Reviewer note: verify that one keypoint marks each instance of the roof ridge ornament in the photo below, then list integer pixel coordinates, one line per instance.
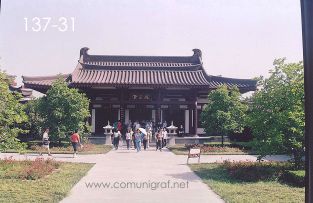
(198, 53)
(83, 52)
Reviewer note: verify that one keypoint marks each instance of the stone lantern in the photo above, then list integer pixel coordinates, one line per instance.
(171, 133)
(108, 133)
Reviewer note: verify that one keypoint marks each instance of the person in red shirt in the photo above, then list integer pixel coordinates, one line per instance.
(75, 139)
(119, 126)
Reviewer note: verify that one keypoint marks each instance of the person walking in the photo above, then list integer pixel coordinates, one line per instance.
(149, 137)
(165, 137)
(121, 139)
(145, 141)
(45, 142)
(119, 126)
(75, 139)
(158, 138)
(181, 131)
(134, 140)
(138, 138)
(116, 138)
(128, 138)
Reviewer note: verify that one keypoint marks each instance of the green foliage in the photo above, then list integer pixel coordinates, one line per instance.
(294, 178)
(237, 191)
(34, 120)
(224, 113)
(11, 115)
(63, 110)
(256, 171)
(276, 114)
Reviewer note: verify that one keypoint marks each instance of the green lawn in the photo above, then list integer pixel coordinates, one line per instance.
(226, 150)
(232, 190)
(87, 149)
(51, 188)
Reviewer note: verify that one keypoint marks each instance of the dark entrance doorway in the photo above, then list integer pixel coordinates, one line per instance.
(140, 114)
(103, 115)
(174, 114)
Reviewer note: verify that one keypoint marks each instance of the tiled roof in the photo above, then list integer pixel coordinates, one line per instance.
(135, 71)
(139, 77)
(42, 81)
(194, 59)
(216, 81)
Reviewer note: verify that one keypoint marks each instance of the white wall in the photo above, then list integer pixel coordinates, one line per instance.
(187, 121)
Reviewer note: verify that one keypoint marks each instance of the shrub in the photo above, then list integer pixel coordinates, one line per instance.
(214, 148)
(294, 178)
(240, 145)
(27, 170)
(256, 171)
(189, 146)
(38, 169)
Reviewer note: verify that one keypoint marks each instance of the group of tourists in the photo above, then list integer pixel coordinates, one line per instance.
(138, 137)
(146, 124)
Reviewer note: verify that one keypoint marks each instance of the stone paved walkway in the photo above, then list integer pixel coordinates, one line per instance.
(123, 167)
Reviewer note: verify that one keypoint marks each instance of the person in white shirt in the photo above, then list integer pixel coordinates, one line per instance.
(128, 138)
(165, 137)
(116, 138)
(45, 142)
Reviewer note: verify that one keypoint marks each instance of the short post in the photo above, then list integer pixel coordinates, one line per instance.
(108, 133)
(172, 133)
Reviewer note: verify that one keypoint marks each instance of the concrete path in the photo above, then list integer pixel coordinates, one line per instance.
(161, 176)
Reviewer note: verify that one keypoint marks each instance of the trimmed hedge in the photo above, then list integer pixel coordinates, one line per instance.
(294, 178)
(265, 171)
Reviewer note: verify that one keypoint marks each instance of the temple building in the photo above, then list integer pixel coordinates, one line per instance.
(27, 94)
(136, 88)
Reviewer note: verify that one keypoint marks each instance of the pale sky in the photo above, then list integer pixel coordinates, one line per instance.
(238, 38)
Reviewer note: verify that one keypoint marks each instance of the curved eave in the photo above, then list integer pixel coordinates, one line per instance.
(42, 83)
(40, 88)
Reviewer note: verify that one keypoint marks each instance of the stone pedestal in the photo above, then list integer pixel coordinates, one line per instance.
(108, 133)
(108, 140)
(172, 134)
(171, 141)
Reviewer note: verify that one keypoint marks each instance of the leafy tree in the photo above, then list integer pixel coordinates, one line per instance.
(224, 113)
(11, 115)
(34, 124)
(277, 112)
(63, 110)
